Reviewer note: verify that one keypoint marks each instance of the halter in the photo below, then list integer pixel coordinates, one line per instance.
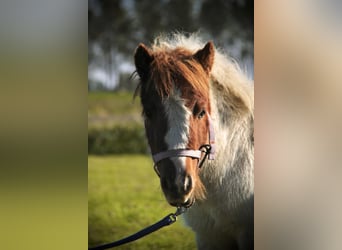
(207, 149)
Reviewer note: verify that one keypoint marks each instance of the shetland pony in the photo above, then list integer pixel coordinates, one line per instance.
(198, 113)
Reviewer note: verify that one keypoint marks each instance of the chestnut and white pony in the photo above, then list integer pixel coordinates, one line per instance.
(195, 99)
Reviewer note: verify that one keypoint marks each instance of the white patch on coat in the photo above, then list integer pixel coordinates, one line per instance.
(178, 116)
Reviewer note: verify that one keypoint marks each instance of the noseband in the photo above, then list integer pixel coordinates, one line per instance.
(207, 149)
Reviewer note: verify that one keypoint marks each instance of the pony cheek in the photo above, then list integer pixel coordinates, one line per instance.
(150, 139)
(198, 134)
(198, 191)
(153, 134)
(191, 166)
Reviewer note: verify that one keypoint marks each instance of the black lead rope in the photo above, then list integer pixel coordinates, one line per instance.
(167, 220)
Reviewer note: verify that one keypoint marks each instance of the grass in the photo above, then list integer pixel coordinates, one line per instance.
(124, 196)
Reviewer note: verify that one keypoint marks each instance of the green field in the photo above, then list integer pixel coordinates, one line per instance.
(124, 196)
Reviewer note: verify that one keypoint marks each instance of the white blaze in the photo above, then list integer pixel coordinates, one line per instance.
(178, 117)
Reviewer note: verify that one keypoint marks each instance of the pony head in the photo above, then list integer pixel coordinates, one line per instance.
(174, 92)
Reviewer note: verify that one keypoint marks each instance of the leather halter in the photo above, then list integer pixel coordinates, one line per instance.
(209, 150)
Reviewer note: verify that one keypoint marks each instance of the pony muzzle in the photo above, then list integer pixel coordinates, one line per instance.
(178, 191)
(180, 183)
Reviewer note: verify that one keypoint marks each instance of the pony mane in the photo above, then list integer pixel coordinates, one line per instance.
(226, 75)
(179, 67)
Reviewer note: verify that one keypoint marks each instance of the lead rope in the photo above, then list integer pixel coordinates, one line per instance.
(167, 220)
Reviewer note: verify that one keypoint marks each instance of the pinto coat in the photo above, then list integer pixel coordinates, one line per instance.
(183, 79)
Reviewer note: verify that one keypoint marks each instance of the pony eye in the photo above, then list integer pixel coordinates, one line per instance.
(198, 111)
(201, 114)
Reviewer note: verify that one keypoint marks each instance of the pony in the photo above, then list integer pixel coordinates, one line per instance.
(198, 109)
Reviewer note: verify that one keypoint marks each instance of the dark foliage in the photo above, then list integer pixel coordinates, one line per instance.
(117, 140)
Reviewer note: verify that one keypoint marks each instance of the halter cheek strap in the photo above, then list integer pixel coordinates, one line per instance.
(211, 139)
(196, 154)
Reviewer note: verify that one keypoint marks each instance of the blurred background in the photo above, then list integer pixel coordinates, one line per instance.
(124, 193)
(116, 28)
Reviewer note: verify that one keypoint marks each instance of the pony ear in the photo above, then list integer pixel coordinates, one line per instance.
(205, 56)
(142, 59)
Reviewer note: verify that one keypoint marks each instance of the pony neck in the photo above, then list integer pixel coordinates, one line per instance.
(233, 142)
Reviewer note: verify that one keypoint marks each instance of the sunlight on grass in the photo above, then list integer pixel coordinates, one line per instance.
(124, 196)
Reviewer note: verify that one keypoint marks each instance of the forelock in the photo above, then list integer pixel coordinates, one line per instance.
(177, 68)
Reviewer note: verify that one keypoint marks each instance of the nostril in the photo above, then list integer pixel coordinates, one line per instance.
(187, 183)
